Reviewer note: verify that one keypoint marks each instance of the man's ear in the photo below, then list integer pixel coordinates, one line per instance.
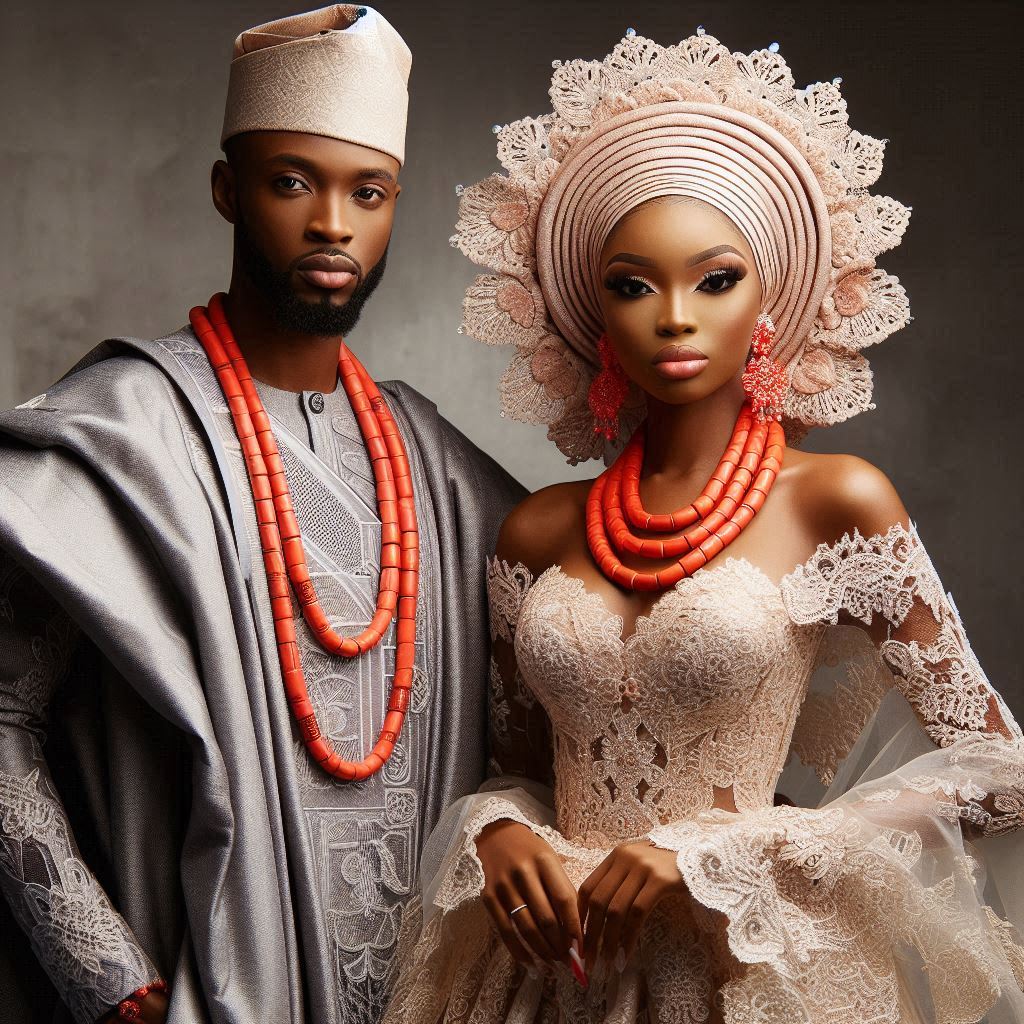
(223, 187)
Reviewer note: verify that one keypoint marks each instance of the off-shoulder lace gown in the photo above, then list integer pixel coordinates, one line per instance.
(872, 905)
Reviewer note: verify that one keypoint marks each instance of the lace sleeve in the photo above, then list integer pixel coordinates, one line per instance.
(519, 731)
(887, 585)
(85, 946)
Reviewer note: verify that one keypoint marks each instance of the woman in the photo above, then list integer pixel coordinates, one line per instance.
(687, 243)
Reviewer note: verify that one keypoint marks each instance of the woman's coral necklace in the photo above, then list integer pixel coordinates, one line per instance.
(283, 554)
(729, 501)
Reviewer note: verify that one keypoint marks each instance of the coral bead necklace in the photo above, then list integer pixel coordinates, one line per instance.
(283, 554)
(730, 499)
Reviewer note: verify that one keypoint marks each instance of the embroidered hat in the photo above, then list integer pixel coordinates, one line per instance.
(341, 71)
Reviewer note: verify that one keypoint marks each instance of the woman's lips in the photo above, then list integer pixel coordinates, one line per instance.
(679, 362)
(329, 280)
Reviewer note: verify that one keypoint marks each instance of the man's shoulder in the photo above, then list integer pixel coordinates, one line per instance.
(462, 457)
(120, 381)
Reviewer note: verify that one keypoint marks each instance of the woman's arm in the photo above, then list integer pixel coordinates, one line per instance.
(527, 893)
(879, 577)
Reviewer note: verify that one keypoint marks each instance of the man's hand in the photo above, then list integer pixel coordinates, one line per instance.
(153, 1006)
(620, 893)
(521, 870)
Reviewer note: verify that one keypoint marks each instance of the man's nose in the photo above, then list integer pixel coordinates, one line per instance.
(330, 223)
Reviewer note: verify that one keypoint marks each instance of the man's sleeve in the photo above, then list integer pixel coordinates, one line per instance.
(83, 943)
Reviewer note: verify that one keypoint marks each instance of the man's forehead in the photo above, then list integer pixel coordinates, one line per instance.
(318, 152)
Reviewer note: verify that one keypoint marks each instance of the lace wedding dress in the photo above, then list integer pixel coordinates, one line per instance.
(870, 902)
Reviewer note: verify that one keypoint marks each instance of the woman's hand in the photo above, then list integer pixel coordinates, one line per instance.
(520, 868)
(619, 894)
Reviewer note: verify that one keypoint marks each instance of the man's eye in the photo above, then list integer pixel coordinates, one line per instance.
(290, 184)
(369, 194)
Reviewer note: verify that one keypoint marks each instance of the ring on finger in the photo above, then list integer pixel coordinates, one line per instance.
(515, 910)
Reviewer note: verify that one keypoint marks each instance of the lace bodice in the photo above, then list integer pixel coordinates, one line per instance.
(701, 703)
(702, 696)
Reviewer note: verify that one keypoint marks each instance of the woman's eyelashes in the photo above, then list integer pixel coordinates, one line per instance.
(721, 279)
(629, 287)
(715, 281)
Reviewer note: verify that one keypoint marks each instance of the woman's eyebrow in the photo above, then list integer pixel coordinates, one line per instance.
(630, 257)
(709, 254)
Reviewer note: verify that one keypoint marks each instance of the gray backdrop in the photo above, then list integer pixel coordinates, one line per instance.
(111, 114)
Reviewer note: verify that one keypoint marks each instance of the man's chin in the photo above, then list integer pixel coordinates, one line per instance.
(310, 295)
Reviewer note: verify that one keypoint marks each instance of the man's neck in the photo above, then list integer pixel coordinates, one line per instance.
(283, 359)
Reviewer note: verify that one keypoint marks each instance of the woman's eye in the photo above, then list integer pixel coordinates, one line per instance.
(718, 281)
(632, 287)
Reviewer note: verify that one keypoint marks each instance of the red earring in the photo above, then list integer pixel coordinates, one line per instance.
(608, 391)
(765, 379)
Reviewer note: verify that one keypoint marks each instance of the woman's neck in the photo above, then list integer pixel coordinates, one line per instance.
(687, 441)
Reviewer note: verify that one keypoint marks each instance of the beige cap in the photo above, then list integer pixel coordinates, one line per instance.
(341, 71)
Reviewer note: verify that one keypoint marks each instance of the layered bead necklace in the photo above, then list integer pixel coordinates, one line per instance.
(283, 554)
(699, 531)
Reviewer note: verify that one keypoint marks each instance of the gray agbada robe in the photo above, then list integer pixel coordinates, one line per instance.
(157, 810)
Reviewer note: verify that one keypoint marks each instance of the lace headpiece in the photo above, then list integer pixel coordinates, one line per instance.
(694, 120)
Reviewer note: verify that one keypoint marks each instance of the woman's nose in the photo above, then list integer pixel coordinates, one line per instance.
(676, 316)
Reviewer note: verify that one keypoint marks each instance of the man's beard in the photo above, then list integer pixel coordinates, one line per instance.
(292, 313)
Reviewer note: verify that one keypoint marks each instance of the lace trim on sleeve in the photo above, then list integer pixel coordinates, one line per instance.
(506, 587)
(924, 647)
(798, 888)
(864, 576)
(84, 945)
(464, 879)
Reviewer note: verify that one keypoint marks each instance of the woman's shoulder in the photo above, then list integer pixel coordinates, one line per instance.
(838, 493)
(544, 526)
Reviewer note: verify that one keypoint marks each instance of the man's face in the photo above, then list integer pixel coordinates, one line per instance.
(313, 219)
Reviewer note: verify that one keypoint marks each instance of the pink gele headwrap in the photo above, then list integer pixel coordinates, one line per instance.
(696, 121)
(734, 162)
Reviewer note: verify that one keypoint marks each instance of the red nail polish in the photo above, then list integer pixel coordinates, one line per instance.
(579, 973)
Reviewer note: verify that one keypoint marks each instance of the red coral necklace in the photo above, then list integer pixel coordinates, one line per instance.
(283, 554)
(730, 499)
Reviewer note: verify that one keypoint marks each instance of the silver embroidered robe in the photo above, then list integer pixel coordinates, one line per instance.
(157, 810)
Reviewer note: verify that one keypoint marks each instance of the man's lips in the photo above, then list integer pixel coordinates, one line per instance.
(328, 272)
(679, 362)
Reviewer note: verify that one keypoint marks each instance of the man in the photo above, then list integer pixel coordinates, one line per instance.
(175, 825)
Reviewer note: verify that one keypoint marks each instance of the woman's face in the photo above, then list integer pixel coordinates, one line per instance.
(680, 297)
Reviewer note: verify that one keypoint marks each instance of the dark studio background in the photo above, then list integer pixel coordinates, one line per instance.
(111, 114)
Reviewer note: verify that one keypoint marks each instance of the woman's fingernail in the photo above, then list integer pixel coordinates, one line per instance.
(532, 972)
(576, 962)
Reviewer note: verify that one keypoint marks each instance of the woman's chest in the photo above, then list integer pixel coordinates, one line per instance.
(718, 644)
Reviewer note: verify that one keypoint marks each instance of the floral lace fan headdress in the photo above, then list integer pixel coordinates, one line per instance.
(695, 120)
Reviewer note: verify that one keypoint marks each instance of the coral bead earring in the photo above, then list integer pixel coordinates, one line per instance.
(765, 379)
(608, 391)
